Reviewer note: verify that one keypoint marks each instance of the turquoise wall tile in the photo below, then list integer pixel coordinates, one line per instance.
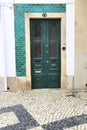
(19, 10)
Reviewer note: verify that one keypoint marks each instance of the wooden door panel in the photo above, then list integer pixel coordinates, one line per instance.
(37, 58)
(38, 81)
(52, 81)
(53, 66)
(45, 53)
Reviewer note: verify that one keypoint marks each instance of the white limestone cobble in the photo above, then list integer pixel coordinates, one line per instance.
(46, 106)
(8, 119)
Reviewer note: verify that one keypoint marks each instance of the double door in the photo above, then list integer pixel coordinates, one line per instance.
(45, 53)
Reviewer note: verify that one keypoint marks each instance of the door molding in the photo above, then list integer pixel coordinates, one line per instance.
(61, 16)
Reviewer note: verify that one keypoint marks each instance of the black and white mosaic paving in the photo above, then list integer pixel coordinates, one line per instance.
(27, 122)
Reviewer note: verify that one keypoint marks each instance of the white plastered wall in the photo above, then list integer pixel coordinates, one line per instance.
(70, 47)
(9, 39)
(3, 80)
(7, 49)
(81, 44)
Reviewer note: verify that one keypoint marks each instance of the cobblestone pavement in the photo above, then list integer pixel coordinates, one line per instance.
(45, 109)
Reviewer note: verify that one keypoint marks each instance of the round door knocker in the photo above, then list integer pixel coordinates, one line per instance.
(63, 48)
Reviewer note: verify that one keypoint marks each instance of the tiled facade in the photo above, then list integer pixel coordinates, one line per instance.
(20, 10)
(15, 40)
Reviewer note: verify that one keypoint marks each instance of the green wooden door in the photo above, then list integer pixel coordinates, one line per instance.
(45, 53)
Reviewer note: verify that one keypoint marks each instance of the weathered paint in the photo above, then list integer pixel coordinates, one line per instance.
(81, 44)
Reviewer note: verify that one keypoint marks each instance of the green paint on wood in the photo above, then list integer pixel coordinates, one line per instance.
(45, 53)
